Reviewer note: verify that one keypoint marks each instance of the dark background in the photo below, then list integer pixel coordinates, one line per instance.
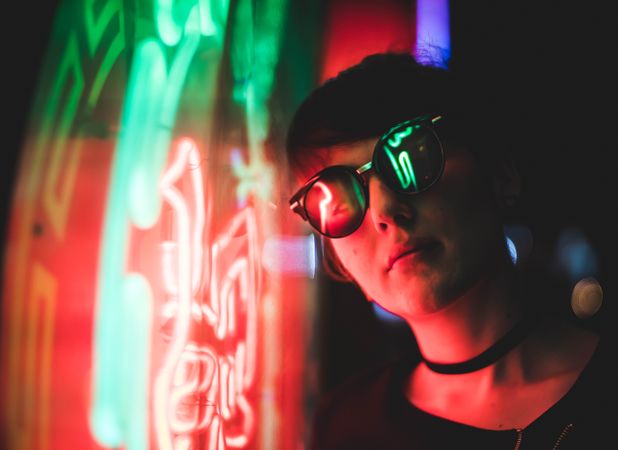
(556, 59)
(25, 33)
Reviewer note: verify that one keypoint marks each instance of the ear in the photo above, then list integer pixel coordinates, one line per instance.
(506, 182)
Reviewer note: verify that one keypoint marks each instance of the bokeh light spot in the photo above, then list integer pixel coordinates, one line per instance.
(586, 298)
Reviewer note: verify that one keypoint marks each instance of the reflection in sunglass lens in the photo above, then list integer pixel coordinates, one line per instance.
(409, 158)
(336, 204)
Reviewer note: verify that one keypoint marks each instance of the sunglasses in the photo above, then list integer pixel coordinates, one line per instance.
(409, 159)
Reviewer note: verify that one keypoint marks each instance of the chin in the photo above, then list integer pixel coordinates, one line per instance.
(419, 303)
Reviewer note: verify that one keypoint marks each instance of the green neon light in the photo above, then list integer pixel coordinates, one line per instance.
(254, 53)
(59, 113)
(395, 141)
(176, 18)
(96, 23)
(405, 174)
(111, 420)
(169, 30)
(126, 386)
(153, 112)
(241, 49)
(122, 332)
(213, 18)
(124, 307)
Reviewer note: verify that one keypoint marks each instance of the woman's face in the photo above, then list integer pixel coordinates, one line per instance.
(415, 255)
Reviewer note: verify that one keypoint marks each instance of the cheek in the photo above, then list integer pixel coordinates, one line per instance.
(472, 224)
(356, 253)
(465, 193)
(349, 253)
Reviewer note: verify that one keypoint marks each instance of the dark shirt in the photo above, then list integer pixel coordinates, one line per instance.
(371, 412)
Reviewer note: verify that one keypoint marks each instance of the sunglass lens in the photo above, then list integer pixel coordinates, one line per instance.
(409, 158)
(336, 203)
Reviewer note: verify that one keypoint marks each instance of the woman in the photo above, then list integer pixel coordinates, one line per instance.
(406, 173)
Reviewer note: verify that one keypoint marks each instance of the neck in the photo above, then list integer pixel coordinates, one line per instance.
(469, 325)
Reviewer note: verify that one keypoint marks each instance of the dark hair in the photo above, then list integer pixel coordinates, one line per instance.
(384, 89)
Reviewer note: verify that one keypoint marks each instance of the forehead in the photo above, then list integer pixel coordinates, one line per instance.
(354, 154)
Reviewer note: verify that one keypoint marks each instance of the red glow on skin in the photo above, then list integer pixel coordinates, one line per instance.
(218, 372)
(414, 248)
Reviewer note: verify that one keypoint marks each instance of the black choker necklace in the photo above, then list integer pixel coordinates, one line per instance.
(489, 356)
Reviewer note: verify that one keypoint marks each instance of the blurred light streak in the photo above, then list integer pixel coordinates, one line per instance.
(185, 273)
(148, 118)
(174, 19)
(97, 22)
(120, 400)
(60, 179)
(257, 178)
(229, 375)
(290, 255)
(39, 336)
(519, 242)
(512, 250)
(254, 53)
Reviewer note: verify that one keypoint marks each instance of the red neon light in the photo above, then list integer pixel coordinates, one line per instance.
(219, 379)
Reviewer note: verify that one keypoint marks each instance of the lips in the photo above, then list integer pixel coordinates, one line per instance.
(411, 246)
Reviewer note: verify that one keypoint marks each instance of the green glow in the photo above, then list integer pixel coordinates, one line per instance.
(152, 108)
(111, 420)
(241, 50)
(119, 411)
(213, 18)
(254, 53)
(126, 385)
(144, 140)
(63, 103)
(358, 192)
(395, 141)
(405, 174)
(175, 18)
(169, 30)
(122, 332)
(95, 29)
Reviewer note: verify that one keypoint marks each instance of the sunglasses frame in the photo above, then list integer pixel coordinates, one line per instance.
(297, 201)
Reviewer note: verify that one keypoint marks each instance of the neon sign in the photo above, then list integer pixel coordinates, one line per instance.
(220, 370)
(115, 215)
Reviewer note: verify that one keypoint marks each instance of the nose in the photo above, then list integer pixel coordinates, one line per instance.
(388, 209)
